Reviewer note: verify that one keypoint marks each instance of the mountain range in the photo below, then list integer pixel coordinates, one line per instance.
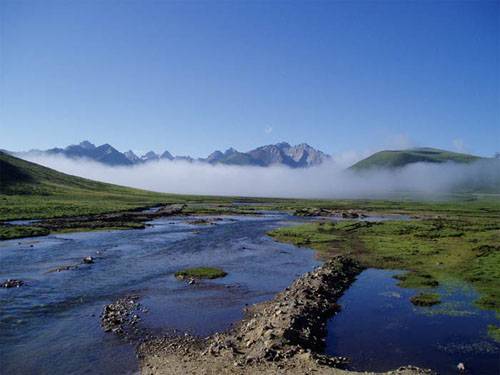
(299, 156)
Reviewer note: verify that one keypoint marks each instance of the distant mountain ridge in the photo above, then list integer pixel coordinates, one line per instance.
(390, 159)
(298, 156)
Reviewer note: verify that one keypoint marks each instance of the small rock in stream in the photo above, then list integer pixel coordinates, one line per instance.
(118, 317)
(12, 283)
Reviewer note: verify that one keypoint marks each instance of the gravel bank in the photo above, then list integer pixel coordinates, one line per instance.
(285, 335)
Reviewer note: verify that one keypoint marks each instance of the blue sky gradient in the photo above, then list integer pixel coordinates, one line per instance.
(192, 77)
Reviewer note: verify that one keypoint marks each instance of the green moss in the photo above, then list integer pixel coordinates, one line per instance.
(19, 231)
(494, 332)
(8, 232)
(306, 235)
(416, 280)
(425, 299)
(200, 273)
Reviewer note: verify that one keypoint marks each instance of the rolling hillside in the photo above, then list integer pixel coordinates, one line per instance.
(29, 190)
(401, 158)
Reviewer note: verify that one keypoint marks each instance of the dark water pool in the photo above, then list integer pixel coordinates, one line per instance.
(51, 325)
(379, 329)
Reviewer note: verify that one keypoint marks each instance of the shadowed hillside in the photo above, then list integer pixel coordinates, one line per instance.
(22, 177)
(33, 191)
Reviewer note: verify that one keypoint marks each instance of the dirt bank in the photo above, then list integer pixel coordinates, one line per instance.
(285, 335)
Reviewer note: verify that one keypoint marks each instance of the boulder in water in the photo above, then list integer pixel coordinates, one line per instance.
(12, 283)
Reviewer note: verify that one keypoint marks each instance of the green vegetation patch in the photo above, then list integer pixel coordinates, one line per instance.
(319, 236)
(494, 332)
(8, 232)
(463, 248)
(425, 299)
(200, 273)
(415, 279)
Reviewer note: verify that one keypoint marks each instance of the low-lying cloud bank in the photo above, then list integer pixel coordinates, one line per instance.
(325, 181)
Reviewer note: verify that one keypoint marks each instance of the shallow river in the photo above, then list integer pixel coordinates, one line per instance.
(51, 325)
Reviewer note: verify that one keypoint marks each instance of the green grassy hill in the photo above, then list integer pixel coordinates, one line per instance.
(401, 158)
(29, 190)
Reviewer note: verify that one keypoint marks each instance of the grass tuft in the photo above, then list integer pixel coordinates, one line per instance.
(425, 299)
(200, 273)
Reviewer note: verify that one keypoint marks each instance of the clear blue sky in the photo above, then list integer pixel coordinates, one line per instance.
(191, 77)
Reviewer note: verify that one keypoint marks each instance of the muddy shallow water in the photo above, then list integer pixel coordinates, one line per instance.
(379, 328)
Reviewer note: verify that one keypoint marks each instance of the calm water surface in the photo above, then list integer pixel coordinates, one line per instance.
(379, 328)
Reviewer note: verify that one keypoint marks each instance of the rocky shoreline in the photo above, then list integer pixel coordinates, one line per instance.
(285, 335)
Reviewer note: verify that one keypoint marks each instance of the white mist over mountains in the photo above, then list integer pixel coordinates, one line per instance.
(327, 180)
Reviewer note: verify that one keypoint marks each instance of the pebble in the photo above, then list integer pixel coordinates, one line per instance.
(88, 260)
(12, 283)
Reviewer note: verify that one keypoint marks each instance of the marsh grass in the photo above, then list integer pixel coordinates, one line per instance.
(432, 250)
(494, 332)
(425, 299)
(200, 273)
(20, 231)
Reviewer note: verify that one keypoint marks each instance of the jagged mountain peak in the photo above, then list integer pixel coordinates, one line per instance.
(214, 157)
(132, 156)
(87, 145)
(283, 145)
(150, 155)
(166, 155)
(107, 148)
